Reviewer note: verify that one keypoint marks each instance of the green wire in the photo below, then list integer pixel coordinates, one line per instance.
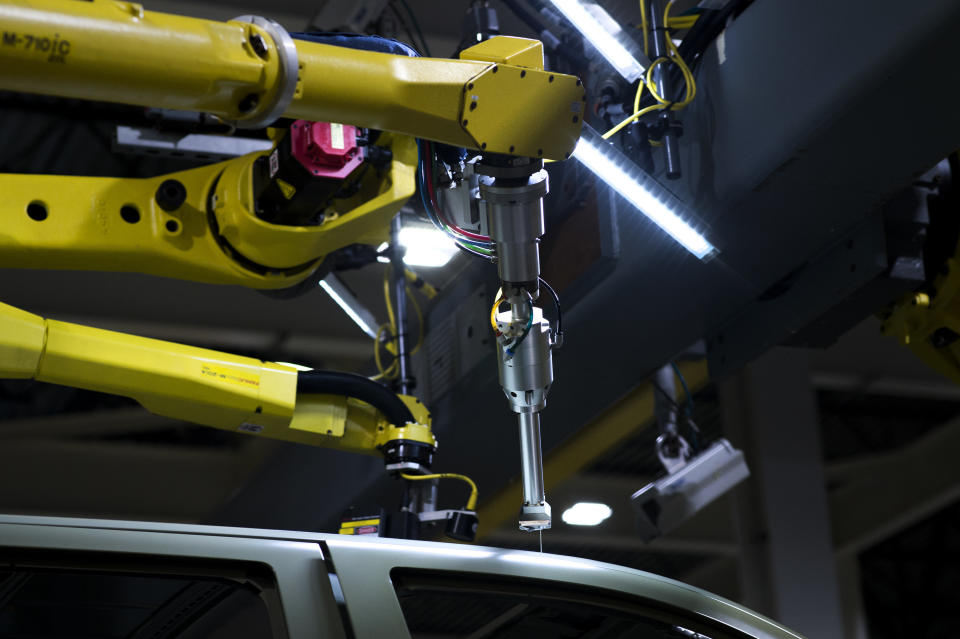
(416, 25)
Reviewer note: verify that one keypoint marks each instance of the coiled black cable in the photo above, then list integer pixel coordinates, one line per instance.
(358, 387)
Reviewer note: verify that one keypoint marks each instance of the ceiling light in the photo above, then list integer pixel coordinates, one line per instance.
(586, 513)
(645, 193)
(346, 300)
(602, 31)
(425, 246)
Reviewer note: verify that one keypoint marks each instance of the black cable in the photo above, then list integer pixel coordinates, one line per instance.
(406, 27)
(556, 301)
(416, 25)
(358, 387)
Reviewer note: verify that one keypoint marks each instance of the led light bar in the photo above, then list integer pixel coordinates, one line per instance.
(642, 191)
(602, 31)
(346, 300)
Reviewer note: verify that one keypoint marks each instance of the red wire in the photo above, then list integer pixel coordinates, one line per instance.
(436, 205)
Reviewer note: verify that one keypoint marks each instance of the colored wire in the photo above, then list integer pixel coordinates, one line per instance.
(471, 501)
(468, 251)
(428, 164)
(477, 248)
(526, 331)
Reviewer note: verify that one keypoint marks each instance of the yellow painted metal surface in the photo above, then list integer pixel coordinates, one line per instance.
(610, 429)
(184, 382)
(515, 107)
(117, 52)
(197, 385)
(81, 223)
(22, 336)
(521, 52)
(929, 322)
(363, 218)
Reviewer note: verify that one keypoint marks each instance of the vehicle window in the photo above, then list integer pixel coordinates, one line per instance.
(473, 606)
(61, 599)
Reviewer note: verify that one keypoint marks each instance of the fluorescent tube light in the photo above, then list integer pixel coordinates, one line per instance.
(586, 513)
(346, 300)
(642, 191)
(602, 31)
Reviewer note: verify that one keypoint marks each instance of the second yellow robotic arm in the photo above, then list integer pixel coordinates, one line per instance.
(210, 388)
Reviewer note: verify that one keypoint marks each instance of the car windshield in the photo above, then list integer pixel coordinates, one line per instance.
(472, 606)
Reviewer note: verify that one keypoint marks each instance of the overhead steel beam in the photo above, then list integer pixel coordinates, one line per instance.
(899, 490)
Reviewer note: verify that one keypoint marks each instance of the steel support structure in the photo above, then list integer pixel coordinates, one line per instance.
(788, 568)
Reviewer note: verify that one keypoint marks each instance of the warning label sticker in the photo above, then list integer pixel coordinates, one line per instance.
(230, 375)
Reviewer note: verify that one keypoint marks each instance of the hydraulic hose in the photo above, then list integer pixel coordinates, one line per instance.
(358, 387)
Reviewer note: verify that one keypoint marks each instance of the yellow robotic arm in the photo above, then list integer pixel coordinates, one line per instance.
(244, 221)
(334, 410)
(497, 98)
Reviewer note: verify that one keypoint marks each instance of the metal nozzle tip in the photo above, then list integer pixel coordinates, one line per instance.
(535, 517)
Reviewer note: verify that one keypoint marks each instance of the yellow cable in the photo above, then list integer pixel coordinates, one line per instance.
(471, 501)
(385, 373)
(390, 372)
(647, 80)
(493, 311)
(666, 12)
(643, 25)
(416, 307)
(426, 288)
(386, 296)
(632, 118)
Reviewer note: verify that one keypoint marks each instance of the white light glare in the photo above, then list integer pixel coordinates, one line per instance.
(586, 513)
(299, 367)
(440, 550)
(605, 42)
(540, 559)
(348, 309)
(426, 246)
(598, 156)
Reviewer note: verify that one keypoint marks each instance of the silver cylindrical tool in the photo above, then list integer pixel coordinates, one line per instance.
(512, 192)
(515, 219)
(531, 459)
(526, 373)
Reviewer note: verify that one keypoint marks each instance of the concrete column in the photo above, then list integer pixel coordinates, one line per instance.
(788, 570)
